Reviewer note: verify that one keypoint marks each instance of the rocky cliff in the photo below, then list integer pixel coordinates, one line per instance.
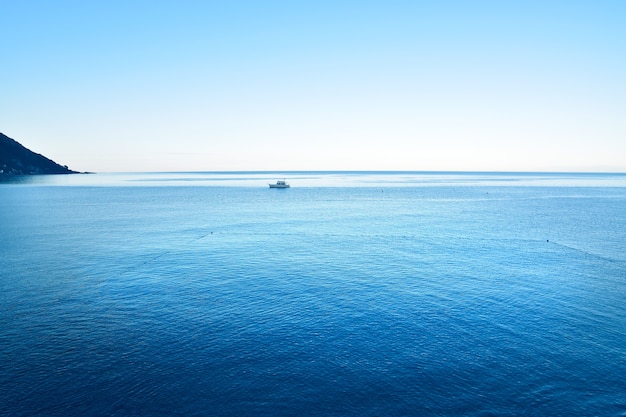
(15, 159)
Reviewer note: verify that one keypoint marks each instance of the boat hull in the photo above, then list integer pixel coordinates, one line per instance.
(279, 184)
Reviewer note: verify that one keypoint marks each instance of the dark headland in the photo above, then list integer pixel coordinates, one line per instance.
(15, 159)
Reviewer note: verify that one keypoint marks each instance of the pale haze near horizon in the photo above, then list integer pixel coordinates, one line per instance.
(341, 85)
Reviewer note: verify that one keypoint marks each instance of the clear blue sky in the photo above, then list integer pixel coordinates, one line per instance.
(317, 85)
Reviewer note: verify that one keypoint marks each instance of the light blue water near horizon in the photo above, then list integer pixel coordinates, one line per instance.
(364, 294)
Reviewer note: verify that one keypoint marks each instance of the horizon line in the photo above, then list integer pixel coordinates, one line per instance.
(360, 171)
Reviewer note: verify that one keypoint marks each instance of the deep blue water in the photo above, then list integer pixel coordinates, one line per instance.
(350, 294)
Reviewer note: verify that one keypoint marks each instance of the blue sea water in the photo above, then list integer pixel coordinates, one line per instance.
(349, 294)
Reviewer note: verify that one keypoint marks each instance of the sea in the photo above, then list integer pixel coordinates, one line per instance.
(348, 294)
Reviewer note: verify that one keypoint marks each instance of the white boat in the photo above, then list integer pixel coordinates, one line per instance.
(279, 184)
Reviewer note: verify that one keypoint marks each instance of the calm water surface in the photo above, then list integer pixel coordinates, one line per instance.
(350, 294)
